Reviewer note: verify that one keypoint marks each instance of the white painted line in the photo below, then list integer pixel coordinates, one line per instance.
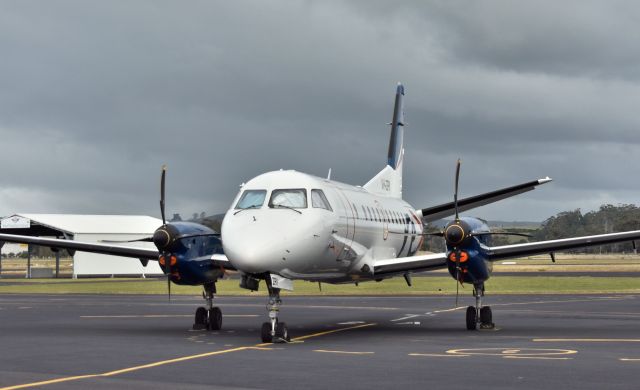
(535, 357)
(345, 307)
(590, 340)
(165, 316)
(449, 310)
(406, 317)
(351, 323)
(343, 352)
(408, 323)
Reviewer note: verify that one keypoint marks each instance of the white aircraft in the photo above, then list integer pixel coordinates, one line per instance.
(288, 225)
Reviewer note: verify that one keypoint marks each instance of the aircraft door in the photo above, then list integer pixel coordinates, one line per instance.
(348, 220)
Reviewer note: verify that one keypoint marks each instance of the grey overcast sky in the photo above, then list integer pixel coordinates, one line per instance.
(96, 95)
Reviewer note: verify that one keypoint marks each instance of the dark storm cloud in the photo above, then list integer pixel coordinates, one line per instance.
(96, 96)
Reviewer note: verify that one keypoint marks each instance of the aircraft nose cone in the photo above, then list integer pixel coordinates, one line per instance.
(255, 245)
(253, 255)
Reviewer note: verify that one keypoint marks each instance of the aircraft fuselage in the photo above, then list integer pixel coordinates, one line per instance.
(332, 241)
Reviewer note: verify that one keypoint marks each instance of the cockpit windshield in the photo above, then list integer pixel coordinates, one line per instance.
(251, 199)
(289, 198)
(318, 200)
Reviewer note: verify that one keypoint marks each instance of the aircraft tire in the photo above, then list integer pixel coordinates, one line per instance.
(215, 319)
(282, 331)
(471, 318)
(265, 332)
(486, 317)
(201, 319)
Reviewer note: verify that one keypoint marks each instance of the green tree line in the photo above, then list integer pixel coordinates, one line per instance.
(608, 219)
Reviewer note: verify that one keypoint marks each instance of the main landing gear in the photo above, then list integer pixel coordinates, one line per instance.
(274, 331)
(209, 318)
(479, 315)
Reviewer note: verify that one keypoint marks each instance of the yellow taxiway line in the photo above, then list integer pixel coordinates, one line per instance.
(172, 361)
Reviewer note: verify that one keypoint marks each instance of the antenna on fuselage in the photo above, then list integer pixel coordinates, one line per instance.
(329, 174)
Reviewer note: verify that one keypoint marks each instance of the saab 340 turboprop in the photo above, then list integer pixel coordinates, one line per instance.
(287, 225)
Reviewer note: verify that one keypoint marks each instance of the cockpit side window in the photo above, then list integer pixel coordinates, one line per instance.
(295, 198)
(319, 201)
(251, 199)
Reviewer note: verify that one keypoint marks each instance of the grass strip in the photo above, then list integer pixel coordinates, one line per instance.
(434, 285)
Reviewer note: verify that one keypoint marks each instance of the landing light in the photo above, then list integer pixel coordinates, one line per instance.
(173, 260)
(464, 256)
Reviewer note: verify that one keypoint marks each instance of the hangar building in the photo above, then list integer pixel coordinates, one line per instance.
(92, 228)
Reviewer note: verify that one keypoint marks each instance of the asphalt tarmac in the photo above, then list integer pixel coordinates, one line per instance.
(144, 342)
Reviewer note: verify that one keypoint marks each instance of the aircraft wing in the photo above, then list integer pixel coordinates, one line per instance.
(533, 248)
(435, 213)
(434, 261)
(418, 263)
(105, 249)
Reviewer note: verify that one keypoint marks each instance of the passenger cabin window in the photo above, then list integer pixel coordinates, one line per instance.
(295, 198)
(251, 199)
(319, 201)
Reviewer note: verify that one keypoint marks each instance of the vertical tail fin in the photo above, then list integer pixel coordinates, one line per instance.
(397, 131)
(388, 182)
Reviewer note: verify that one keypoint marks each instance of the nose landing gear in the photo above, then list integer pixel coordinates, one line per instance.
(274, 331)
(209, 318)
(479, 315)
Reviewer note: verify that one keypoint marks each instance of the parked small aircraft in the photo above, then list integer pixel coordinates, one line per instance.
(287, 225)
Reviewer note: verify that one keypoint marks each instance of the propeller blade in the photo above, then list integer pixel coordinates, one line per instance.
(436, 234)
(502, 233)
(162, 180)
(169, 286)
(455, 193)
(145, 239)
(168, 265)
(457, 288)
(180, 237)
(457, 275)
